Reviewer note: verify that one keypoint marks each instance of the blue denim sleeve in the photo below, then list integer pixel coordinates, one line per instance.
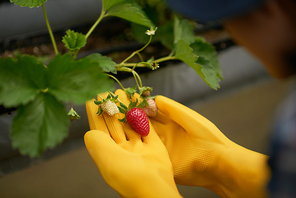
(283, 151)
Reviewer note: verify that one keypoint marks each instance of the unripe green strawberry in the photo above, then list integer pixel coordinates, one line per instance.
(138, 120)
(109, 107)
(150, 110)
(146, 93)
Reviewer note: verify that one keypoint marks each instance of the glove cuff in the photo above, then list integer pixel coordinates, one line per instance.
(242, 173)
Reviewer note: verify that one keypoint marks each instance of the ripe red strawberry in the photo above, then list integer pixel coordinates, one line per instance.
(151, 109)
(138, 120)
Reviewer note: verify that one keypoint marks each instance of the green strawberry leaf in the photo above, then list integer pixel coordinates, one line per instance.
(109, 3)
(165, 36)
(185, 53)
(183, 29)
(206, 50)
(76, 80)
(177, 29)
(130, 11)
(21, 80)
(39, 125)
(104, 62)
(28, 3)
(74, 40)
(208, 73)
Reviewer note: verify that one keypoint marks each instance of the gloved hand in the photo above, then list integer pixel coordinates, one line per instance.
(133, 166)
(203, 156)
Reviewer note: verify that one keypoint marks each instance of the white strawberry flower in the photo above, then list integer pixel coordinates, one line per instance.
(151, 31)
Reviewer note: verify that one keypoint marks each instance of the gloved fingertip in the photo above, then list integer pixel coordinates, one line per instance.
(103, 95)
(122, 96)
(162, 102)
(88, 136)
(93, 139)
(119, 92)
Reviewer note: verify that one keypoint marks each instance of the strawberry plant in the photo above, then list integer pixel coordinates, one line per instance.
(40, 91)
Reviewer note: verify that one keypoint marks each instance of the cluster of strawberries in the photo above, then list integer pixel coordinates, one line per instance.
(136, 114)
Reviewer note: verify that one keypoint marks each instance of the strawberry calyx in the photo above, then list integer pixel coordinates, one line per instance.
(112, 99)
(145, 91)
(73, 115)
(130, 91)
(134, 104)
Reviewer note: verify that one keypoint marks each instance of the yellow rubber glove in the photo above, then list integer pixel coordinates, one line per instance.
(133, 166)
(203, 156)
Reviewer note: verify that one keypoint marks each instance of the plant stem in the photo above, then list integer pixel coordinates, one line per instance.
(139, 79)
(50, 31)
(116, 81)
(137, 52)
(135, 77)
(95, 24)
(144, 64)
(140, 56)
(126, 69)
(100, 97)
(141, 64)
(165, 59)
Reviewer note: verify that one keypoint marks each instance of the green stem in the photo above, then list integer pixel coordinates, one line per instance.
(141, 64)
(71, 104)
(114, 95)
(137, 52)
(140, 56)
(126, 69)
(101, 97)
(144, 64)
(172, 52)
(50, 31)
(95, 24)
(165, 59)
(91, 30)
(116, 81)
(75, 54)
(137, 75)
(145, 45)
